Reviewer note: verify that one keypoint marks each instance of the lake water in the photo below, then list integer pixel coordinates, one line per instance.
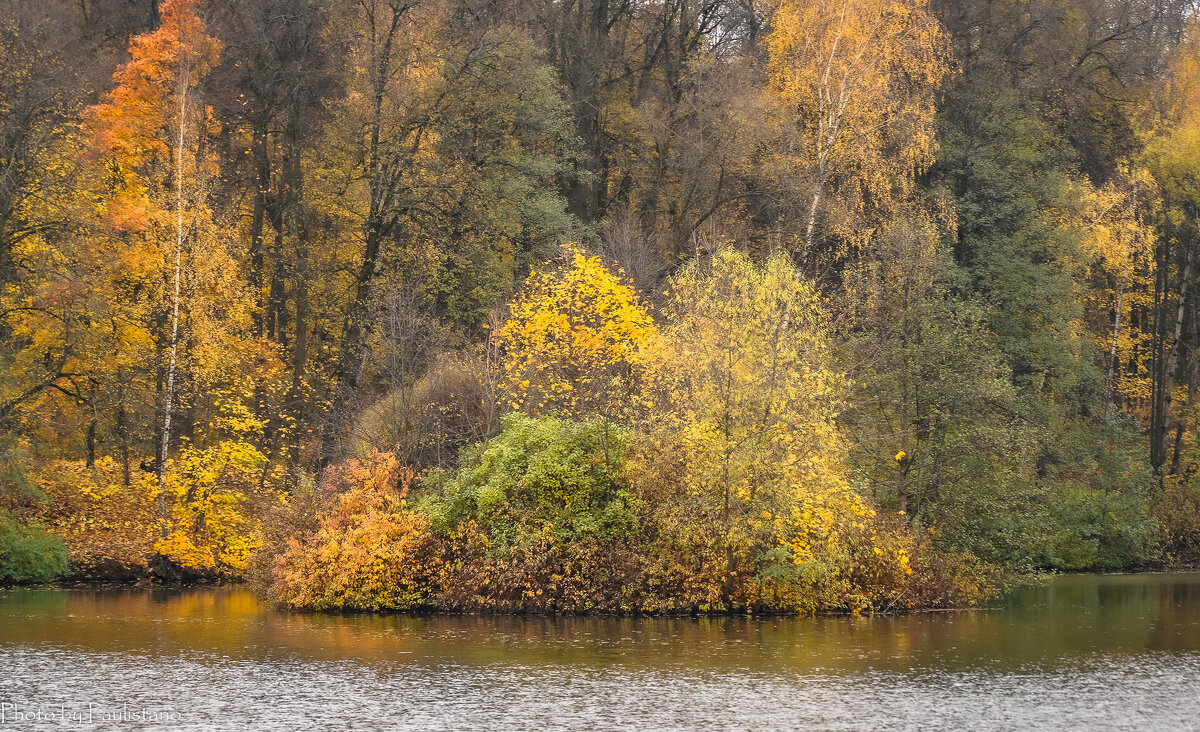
(1091, 652)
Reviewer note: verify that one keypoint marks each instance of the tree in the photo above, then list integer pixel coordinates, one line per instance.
(268, 89)
(143, 130)
(178, 293)
(744, 459)
(450, 152)
(665, 104)
(36, 101)
(1118, 244)
(572, 341)
(855, 80)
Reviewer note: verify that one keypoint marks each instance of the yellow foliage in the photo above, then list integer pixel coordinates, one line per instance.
(856, 79)
(1118, 246)
(215, 492)
(743, 433)
(571, 341)
(104, 523)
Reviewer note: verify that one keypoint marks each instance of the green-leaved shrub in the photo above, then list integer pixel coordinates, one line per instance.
(28, 553)
(539, 474)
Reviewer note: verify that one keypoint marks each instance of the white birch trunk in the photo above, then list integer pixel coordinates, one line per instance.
(169, 396)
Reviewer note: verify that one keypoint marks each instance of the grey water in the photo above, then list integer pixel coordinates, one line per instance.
(1085, 652)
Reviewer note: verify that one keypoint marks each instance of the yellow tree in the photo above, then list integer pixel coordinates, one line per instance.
(855, 80)
(1119, 247)
(572, 339)
(743, 433)
(142, 132)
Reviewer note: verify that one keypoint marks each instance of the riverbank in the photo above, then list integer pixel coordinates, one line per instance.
(374, 537)
(1016, 584)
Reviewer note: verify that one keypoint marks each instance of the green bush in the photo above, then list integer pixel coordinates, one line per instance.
(28, 553)
(538, 519)
(540, 474)
(1095, 529)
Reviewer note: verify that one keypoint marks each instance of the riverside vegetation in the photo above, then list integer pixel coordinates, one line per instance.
(585, 305)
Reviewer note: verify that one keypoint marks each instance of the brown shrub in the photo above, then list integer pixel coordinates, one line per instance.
(425, 425)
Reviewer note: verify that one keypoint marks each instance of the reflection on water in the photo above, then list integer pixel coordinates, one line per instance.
(1084, 652)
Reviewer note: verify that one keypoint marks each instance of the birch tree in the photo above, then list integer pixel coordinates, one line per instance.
(146, 132)
(855, 83)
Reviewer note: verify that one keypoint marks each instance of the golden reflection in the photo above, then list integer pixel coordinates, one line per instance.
(1067, 622)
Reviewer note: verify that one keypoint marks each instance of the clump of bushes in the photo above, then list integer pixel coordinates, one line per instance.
(536, 519)
(693, 467)
(1177, 511)
(544, 518)
(540, 474)
(451, 406)
(539, 518)
(114, 531)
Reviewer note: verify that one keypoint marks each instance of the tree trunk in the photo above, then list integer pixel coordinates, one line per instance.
(1111, 373)
(123, 428)
(169, 396)
(300, 231)
(378, 224)
(353, 346)
(91, 437)
(812, 220)
(277, 316)
(1168, 376)
(262, 186)
(1193, 378)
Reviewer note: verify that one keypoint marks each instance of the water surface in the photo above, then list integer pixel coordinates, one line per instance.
(1089, 652)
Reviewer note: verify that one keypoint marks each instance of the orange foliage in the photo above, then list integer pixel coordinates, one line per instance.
(133, 127)
(370, 551)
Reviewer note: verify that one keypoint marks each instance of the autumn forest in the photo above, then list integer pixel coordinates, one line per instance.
(599, 305)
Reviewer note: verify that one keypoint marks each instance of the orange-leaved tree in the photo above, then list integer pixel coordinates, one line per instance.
(151, 174)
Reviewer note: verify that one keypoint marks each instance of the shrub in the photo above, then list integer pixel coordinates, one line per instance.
(538, 518)
(1177, 511)
(214, 495)
(369, 550)
(109, 528)
(28, 553)
(427, 423)
(540, 473)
